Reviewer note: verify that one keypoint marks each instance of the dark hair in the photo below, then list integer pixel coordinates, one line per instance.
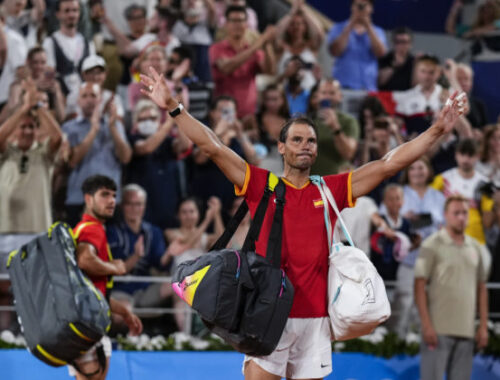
(429, 58)
(368, 1)
(296, 120)
(93, 184)
(235, 8)
(215, 101)
(310, 111)
(373, 104)
(489, 131)
(134, 7)
(402, 30)
(284, 111)
(59, 2)
(190, 198)
(467, 147)
(405, 180)
(35, 50)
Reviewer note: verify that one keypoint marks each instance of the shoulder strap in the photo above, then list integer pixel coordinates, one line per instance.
(80, 228)
(273, 253)
(258, 218)
(234, 222)
(328, 198)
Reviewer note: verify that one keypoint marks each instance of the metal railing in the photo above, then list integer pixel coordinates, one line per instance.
(164, 279)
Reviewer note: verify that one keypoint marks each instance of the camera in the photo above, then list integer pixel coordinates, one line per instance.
(325, 103)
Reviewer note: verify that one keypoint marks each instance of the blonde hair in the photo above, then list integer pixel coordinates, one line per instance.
(143, 105)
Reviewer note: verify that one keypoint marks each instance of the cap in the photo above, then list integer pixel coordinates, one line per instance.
(93, 61)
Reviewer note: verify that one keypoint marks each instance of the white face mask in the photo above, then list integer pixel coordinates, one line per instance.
(147, 127)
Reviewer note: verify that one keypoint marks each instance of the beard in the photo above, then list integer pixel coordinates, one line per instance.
(459, 230)
(101, 215)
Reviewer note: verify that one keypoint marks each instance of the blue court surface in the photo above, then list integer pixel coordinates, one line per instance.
(21, 365)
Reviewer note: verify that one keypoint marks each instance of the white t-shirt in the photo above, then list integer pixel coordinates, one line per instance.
(72, 47)
(25, 26)
(358, 222)
(16, 56)
(454, 183)
(144, 41)
(413, 102)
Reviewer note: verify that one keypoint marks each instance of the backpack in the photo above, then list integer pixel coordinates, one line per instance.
(61, 313)
(241, 296)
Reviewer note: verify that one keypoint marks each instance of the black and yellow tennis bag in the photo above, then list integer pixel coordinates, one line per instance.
(241, 296)
(62, 314)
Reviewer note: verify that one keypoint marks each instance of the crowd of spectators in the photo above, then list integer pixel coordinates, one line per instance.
(71, 107)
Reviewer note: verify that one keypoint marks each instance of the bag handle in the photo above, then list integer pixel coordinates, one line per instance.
(325, 192)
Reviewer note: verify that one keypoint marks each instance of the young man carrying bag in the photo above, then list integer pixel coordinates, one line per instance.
(304, 350)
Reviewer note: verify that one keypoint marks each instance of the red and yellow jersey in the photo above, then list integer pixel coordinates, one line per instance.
(91, 231)
(304, 252)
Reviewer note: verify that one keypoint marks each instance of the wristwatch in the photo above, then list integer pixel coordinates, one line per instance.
(176, 111)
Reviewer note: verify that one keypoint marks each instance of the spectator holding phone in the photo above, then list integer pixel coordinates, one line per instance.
(356, 45)
(300, 34)
(292, 79)
(379, 139)
(338, 132)
(423, 207)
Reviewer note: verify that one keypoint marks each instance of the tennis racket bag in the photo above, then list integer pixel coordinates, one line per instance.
(241, 296)
(62, 314)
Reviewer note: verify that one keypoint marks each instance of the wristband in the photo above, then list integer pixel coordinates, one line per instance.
(175, 112)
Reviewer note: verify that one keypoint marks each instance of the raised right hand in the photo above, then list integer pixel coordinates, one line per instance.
(139, 246)
(156, 89)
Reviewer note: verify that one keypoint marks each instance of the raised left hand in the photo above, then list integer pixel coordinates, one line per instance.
(455, 106)
(156, 89)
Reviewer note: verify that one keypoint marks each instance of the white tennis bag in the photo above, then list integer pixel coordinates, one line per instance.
(357, 300)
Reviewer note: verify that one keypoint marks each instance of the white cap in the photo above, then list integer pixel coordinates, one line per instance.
(93, 61)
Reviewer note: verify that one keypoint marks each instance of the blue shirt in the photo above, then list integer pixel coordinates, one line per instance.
(432, 203)
(121, 240)
(100, 159)
(158, 174)
(357, 67)
(298, 103)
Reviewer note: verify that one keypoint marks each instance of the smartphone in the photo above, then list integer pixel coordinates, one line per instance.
(228, 114)
(325, 103)
(422, 220)
(49, 75)
(308, 65)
